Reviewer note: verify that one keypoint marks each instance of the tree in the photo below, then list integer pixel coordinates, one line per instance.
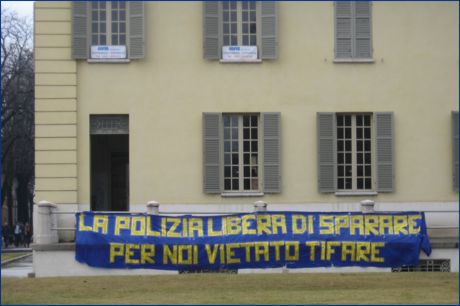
(17, 114)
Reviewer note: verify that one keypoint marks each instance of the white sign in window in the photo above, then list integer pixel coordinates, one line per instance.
(108, 52)
(239, 53)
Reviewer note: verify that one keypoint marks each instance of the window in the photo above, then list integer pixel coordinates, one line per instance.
(241, 153)
(355, 153)
(353, 31)
(240, 23)
(108, 30)
(108, 23)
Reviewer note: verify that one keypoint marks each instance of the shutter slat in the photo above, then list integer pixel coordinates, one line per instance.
(384, 151)
(79, 30)
(136, 30)
(269, 32)
(343, 29)
(362, 25)
(455, 150)
(326, 130)
(211, 152)
(211, 45)
(272, 152)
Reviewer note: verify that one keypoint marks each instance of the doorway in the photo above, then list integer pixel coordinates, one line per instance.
(109, 173)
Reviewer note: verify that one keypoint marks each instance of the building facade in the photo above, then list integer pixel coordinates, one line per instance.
(216, 105)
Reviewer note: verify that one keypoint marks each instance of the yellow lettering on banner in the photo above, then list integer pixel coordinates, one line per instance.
(341, 222)
(169, 255)
(233, 225)
(116, 249)
(289, 245)
(400, 225)
(312, 245)
(211, 251)
(172, 230)
(222, 253)
(263, 224)
(310, 225)
(163, 227)
(147, 253)
(231, 253)
(413, 228)
(279, 222)
(101, 222)
(357, 223)
(261, 248)
(277, 245)
(371, 224)
(81, 224)
(187, 259)
(247, 250)
(246, 223)
(296, 228)
(195, 254)
(195, 225)
(348, 248)
(185, 228)
(330, 248)
(375, 252)
(129, 253)
(121, 222)
(363, 250)
(326, 223)
(211, 231)
(150, 231)
(386, 225)
(137, 225)
(323, 250)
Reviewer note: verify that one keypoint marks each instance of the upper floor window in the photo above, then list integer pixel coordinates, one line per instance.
(107, 30)
(240, 30)
(353, 31)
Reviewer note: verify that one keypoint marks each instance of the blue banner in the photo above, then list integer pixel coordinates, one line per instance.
(250, 240)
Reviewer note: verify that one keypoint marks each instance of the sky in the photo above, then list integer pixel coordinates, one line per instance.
(23, 8)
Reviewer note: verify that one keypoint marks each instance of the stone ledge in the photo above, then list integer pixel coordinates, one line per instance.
(444, 242)
(65, 246)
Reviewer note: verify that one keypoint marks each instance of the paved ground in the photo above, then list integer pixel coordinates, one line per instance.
(19, 268)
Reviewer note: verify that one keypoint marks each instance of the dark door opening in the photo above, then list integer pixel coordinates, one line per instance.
(110, 172)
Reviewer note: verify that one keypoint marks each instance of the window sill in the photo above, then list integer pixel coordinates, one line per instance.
(241, 194)
(111, 61)
(355, 193)
(258, 61)
(354, 60)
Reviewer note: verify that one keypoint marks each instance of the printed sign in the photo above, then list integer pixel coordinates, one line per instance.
(239, 53)
(256, 240)
(108, 52)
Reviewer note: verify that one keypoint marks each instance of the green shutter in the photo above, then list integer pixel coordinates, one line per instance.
(272, 152)
(269, 31)
(362, 32)
(343, 29)
(455, 150)
(326, 135)
(79, 30)
(384, 151)
(211, 152)
(136, 29)
(211, 33)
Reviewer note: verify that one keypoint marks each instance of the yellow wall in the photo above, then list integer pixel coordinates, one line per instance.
(415, 75)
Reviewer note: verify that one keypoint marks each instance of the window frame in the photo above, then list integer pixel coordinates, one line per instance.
(260, 153)
(354, 163)
(353, 58)
(108, 21)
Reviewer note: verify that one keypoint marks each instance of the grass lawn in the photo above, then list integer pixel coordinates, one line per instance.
(8, 256)
(288, 288)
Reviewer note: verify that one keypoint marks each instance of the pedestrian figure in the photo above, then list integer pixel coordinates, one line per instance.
(6, 234)
(17, 234)
(27, 234)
